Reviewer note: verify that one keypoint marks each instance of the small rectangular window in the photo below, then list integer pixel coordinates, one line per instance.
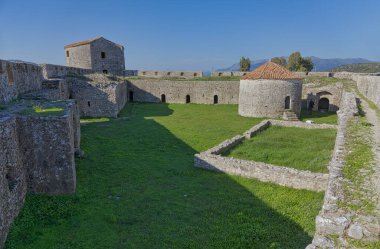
(103, 55)
(105, 71)
(67, 53)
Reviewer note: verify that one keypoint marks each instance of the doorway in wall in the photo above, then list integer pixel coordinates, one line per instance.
(287, 102)
(187, 99)
(216, 99)
(323, 104)
(130, 96)
(163, 98)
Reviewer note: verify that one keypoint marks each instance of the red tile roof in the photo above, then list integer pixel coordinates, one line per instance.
(76, 44)
(271, 70)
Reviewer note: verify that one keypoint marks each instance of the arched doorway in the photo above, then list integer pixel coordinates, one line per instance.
(287, 102)
(323, 104)
(215, 99)
(163, 98)
(187, 99)
(130, 96)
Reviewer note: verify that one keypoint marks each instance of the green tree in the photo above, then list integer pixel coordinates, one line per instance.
(279, 60)
(245, 64)
(297, 63)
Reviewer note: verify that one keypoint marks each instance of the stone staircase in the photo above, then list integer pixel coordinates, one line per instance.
(290, 116)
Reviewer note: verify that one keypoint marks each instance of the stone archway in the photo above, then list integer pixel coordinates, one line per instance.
(323, 104)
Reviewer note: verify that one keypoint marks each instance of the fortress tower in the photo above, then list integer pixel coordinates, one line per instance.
(269, 91)
(98, 54)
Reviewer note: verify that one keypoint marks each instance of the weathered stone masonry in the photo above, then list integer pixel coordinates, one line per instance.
(177, 91)
(284, 176)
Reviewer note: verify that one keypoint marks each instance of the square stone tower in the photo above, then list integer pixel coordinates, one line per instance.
(98, 54)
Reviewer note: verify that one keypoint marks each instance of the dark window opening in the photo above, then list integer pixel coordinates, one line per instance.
(105, 71)
(88, 103)
(220, 74)
(287, 102)
(67, 53)
(187, 99)
(156, 73)
(12, 182)
(323, 104)
(182, 73)
(144, 73)
(130, 96)
(215, 99)
(168, 74)
(195, 74)
(163, 98)
(103, 55)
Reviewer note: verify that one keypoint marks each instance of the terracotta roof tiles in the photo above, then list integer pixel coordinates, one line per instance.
(271, 70)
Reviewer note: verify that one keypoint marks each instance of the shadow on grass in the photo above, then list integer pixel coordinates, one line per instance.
(137, 188)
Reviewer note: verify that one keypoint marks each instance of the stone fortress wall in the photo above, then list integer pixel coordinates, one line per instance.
(17, 79)
(170, 74)
(177, 91)
(37, 156)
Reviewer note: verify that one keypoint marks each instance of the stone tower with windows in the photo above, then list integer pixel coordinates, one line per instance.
(98, 54)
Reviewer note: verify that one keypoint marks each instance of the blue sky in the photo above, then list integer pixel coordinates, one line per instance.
(192, 34)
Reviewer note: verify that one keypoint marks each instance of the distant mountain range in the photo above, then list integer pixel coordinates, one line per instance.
(319, 64)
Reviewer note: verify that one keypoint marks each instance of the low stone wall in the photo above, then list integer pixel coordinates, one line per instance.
(17, 79)
(37, 156)
(57, 71)
(284, 176)
(176, 91)
(369, 86)
(177, 74)
(331, 220)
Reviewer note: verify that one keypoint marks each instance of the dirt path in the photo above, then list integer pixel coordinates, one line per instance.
(375, 121)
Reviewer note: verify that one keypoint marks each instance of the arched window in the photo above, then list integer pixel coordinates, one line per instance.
(195, 74)
(220, 74)
(88, 103)
(187, 99)
(130, 96)
(163, 98)
(287, 102)
(215, 99)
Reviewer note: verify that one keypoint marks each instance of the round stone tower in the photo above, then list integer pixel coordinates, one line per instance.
(270, 91)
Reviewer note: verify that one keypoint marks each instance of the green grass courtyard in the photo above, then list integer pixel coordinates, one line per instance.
(137, 188)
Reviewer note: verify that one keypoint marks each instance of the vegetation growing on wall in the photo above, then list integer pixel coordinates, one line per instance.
(359, 68)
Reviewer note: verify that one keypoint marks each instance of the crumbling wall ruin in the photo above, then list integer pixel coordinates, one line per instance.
(17, 79)
(37, 156)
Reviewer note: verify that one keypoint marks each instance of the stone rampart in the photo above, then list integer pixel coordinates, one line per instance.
(56, 71)
(319, 74)
(176, 74)
(369, 86)
(17, 79)
(229, 73)
(177, 91)
(212, 159)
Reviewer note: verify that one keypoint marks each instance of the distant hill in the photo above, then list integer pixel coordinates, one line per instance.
(319, 64)
(359, 68)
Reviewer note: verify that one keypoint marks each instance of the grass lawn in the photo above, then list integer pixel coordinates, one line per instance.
(137, 188)
(305, 149)
(319, 117)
